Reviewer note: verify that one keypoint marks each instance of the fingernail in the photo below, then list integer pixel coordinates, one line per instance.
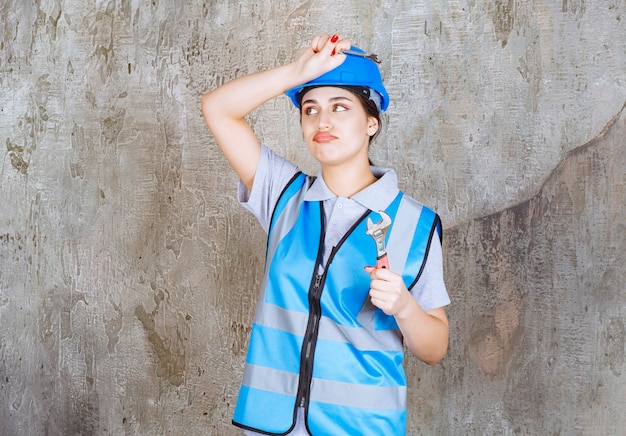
(333, 53)
(334, 39)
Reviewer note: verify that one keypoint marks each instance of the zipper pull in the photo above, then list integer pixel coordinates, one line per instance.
(318, 280)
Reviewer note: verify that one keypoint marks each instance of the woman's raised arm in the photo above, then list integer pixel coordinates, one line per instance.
(225, 108)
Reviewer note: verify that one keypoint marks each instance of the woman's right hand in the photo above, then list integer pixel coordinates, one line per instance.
(322, 55)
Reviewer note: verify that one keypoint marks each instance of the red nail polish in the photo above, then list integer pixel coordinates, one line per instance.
(333, 53)
(334, 39)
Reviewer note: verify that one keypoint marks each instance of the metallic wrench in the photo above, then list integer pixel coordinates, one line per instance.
(371, 56)
(378, 231)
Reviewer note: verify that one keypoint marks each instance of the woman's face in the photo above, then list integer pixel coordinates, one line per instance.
(335, 126)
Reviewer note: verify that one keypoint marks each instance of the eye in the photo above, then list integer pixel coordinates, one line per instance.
(311, 110)
(340, 108)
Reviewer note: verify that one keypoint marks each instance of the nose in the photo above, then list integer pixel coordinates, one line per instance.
(324, 121)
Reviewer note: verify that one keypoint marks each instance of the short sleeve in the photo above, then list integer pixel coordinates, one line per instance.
(430, 290)
(272, 175)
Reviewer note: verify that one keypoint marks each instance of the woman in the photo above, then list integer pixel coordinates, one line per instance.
(326, 348)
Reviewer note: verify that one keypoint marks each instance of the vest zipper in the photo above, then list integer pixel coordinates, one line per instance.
(310, 339)
(307, 353)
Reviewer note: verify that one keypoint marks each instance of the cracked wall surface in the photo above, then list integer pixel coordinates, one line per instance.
(129, 273)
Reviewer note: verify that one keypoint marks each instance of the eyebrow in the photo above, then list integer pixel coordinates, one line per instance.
(332, 99)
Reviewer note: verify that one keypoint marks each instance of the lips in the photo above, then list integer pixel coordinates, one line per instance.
(323, 137)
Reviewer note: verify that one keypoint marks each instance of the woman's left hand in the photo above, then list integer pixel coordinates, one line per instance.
(424, 333)
(387, 291)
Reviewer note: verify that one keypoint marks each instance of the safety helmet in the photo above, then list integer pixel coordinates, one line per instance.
(354, 71)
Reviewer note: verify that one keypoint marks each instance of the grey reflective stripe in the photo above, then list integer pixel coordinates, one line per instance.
(271, 380)
(330, 391)
(295, 322)
(402, 232)
(360, 338)
(353, 395)
(284, 223)
(282, 319)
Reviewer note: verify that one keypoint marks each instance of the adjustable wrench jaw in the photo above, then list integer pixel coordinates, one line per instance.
(378, 232)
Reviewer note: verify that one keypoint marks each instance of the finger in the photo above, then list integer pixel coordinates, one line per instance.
(322, 41)
(343, 44)
(372, 271)
(317, 43)
(385, 274)
(381, 304)
(314, 42)
(382, 286)
(379, 274)
(377, 295)
(330, 44)
(376, 301)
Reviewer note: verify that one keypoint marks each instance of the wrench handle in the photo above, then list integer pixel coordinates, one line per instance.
(382, 262)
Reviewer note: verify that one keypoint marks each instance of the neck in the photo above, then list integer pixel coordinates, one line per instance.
(345, 182)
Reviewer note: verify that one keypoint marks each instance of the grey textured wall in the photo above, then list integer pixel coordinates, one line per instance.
(129, 274)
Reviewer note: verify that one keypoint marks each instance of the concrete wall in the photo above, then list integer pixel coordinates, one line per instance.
(129, 274)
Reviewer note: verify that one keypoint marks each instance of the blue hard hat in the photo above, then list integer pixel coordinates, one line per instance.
(354, 71)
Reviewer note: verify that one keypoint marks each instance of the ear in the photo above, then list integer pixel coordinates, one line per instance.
(372, 126)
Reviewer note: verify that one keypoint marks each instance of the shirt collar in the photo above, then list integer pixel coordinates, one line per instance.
(377, 196)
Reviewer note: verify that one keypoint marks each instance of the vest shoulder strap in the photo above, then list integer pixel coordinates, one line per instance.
(412, 231)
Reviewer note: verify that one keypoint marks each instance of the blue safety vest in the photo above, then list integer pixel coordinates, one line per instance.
(317, 341)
